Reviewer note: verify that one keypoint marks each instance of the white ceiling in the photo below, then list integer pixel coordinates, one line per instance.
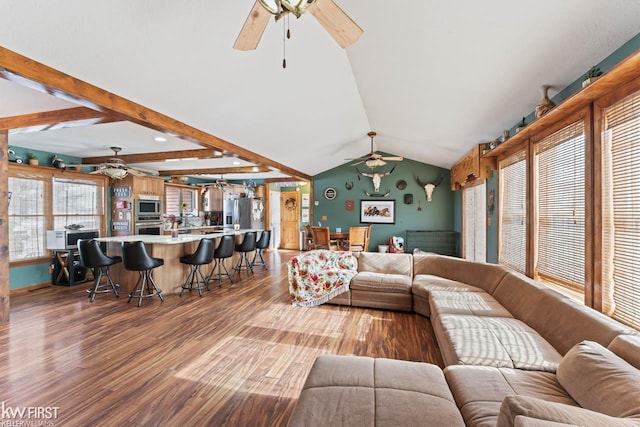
(433, 78)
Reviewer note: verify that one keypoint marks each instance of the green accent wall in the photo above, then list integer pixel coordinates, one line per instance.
(435, 215)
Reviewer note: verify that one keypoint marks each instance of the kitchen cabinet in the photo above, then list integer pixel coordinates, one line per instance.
(471, 167)
(212, 200)
(144, 186)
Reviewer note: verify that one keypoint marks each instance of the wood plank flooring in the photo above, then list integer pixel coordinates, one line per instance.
(238, 356)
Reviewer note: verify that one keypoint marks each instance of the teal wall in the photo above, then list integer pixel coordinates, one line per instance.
(605, 65)
(435, 215)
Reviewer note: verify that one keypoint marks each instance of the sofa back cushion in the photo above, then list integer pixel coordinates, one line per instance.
(601, 381)
(559, 319)
(484, 276)
(377, 262)
(628, 348)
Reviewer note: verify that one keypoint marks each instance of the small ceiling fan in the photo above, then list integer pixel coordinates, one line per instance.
(337, 23)
(373, 159)
(116, 168)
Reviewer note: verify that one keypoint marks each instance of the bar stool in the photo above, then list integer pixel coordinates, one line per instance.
(202, 255)
(136, 258)
(222, 252)
(91, 256)
(248, 245)
(261, 245)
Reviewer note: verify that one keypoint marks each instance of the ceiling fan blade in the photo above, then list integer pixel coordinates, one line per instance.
(357, 163)
(393, 159)
(136, 172)
(144, 171)
(337, 23)
(253, 28)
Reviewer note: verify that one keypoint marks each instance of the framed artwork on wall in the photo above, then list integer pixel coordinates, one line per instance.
(378, 211)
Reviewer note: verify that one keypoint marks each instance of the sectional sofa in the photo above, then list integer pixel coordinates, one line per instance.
(515, 353)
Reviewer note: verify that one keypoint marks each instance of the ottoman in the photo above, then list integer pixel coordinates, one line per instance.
(362, 391)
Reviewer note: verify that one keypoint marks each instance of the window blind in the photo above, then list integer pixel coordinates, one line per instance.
(27, 220)
(474, 214)
(175, 196)
(621, 210)
(77, 201)
(560, 214)
(513, 212)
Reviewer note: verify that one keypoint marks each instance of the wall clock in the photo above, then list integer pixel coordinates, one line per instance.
(330, 193)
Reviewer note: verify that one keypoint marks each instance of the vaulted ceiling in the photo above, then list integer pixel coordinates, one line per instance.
(433, 78)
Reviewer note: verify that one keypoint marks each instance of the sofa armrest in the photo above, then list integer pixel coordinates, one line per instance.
(514, 407)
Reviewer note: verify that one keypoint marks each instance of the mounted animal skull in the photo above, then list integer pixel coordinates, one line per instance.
(376, 178)
(429, 187)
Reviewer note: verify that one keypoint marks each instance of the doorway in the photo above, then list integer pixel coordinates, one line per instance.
(274, 218)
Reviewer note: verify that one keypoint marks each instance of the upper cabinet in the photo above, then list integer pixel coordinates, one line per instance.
(471, 167)
(144, 186)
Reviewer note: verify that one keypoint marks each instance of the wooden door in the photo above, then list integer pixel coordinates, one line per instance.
(290, 220)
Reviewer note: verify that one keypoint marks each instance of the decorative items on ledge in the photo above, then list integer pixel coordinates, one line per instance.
(599, 85)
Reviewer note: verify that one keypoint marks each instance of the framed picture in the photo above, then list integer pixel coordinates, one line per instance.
(378, 211)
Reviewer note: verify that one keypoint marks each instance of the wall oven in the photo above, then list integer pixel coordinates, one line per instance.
(148, 210)
(148, 228)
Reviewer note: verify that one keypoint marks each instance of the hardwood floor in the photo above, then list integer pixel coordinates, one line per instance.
(236, 357)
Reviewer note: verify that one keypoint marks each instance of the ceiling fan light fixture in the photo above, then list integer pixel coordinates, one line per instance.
(283, 7)
(115, 173)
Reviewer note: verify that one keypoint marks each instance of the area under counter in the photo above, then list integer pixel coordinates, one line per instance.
(170, 276)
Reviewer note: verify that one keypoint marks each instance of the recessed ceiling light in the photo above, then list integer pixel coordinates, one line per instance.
(255, 169)
(160, 139)
(235, 162)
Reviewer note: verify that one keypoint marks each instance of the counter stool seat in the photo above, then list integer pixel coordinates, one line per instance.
(92, 257)
(136, 258)
(222, 252)
(203, 255)
(261, 245)
(248, 245)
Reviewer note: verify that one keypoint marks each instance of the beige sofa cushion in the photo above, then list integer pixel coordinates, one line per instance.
(551, 413)
(381, 282)
(628, 348)
(559, 319)
(599, 380)
(423, 284)
(377, 262)
(484, 276)
(469, 303)
(493, 341)
(480, 390)
(361, 391)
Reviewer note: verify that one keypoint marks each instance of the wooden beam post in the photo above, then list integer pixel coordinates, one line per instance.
(4, 226)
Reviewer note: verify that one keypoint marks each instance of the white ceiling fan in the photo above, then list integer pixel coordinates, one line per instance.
(116, 168)
(337, 23)
(373, 159)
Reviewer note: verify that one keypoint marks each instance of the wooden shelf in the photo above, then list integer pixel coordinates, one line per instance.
(622, 73)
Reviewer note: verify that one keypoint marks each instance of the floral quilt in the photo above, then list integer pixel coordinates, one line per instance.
(319, 275)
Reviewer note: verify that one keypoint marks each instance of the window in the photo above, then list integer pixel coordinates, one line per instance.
(44, 200)
(175, 197)
(77, 201)
(474, 230)
(27, 220)
(621, 210)
(559, 177)
(513, 212)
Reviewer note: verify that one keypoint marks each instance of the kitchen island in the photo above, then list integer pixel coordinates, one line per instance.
(172, 274)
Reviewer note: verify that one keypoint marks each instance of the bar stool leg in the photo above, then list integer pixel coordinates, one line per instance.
(97, 279)
(157, 289)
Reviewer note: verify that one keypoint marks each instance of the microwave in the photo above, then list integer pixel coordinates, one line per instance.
(148, 207)
(68, 239)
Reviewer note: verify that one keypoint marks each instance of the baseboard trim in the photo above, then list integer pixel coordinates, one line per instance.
(30, 288)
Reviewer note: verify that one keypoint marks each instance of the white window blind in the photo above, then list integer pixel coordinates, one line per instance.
(560, 217)
(27, 220)
(621, 210)
(77, 201)
(174, 197)
(513, 212)
(475, 241)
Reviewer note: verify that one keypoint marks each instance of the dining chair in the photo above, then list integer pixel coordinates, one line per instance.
(357, 239)
(322, 239)
(368, 238)
(309, 236)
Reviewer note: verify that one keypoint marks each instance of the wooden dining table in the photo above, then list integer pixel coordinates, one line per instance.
(341, 238)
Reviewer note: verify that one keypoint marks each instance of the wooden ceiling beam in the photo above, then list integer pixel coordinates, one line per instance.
(215, 171)
(30, 73)
(202, 153)
(56, 119)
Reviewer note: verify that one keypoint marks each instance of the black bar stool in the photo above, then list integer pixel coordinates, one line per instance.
(222, 252)
(91, 256)
(248, 245)
(203, 255)
(136, 258)
(261, 245)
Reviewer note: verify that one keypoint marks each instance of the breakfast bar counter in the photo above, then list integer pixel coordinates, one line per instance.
(170, 276)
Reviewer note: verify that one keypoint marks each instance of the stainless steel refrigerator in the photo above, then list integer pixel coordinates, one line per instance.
(247, 212)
